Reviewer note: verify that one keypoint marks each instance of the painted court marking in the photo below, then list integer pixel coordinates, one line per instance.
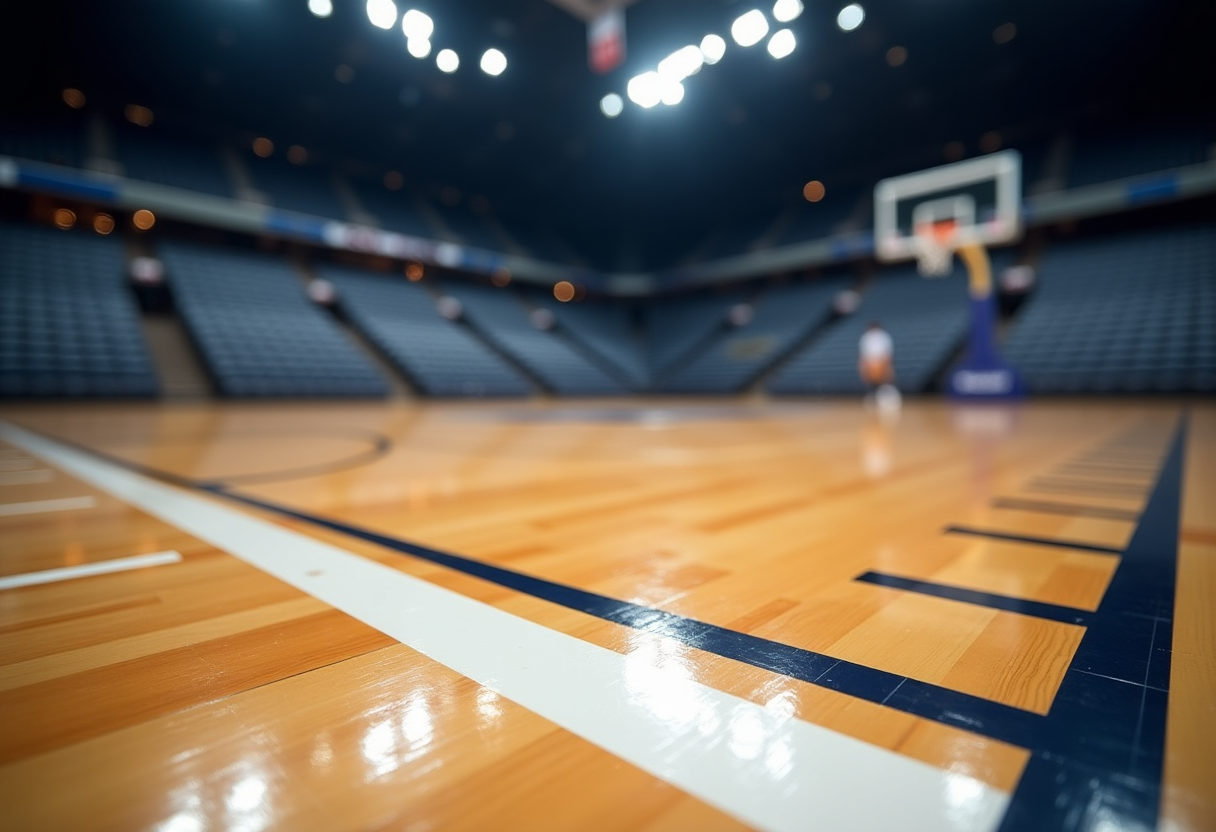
(85, 570)
(764, 767)
(26, 477)
(43, 506)
(17, 463)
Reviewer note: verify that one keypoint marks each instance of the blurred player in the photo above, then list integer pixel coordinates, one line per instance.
(876, 365)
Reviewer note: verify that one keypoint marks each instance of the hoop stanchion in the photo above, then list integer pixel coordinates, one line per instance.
(983, 373)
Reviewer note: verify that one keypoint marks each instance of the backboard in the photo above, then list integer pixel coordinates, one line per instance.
(979, 200)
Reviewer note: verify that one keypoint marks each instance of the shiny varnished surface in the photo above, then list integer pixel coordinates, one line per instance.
(234, 699)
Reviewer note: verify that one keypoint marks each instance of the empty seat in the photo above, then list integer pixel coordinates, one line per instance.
(256, 330)
(1131, 313)
(441, 357)
(69, 326)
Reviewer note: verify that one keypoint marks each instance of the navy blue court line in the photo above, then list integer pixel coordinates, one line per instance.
(1048, 507)
(1036, 541)
(1117, 472)
(1105, 739)
(1097, 754)
(1128, 460)
(1096, 487)
(1037, 609)
(924, 699)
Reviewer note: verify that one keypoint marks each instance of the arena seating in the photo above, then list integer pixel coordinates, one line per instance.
(603, 327)
(151, 157)
(782, 316)
(1132, 313)
(300, 188)
(439, 356)
(676, 326)
(927, 320)
(257, 331)
(501, 318)
(69, 325)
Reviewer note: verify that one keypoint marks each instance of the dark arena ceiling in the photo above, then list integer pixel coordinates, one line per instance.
(633, 191)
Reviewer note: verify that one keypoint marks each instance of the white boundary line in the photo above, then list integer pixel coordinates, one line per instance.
(758, 764)
(85, 570)
(42, 506)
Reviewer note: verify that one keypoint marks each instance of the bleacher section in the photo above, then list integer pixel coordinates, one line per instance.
(1103, 156)
(602, 327)
(151, 158)
(783, 316)
(296, 188)
(676, 326)
(927, 320)
(441, 357)
(501, 318)
(256, 330)
(69, 326)
(1135, 313)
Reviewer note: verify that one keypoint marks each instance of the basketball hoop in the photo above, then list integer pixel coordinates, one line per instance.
(934, 243)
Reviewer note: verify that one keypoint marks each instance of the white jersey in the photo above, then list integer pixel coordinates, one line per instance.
(876, 345)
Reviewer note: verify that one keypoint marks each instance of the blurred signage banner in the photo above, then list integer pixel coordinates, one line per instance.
(606, 41)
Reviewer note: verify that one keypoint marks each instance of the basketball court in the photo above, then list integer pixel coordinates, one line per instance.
(665, 615)
(974, 610)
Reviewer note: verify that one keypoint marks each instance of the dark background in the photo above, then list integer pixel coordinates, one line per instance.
(633, 192)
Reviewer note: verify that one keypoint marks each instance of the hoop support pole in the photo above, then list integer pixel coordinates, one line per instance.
(979, 269)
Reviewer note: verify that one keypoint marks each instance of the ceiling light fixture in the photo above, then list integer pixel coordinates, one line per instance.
(749, 29)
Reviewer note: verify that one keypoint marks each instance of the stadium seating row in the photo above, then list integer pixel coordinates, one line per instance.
(1125, 314)
(927, 320)
(439, 357)
(1129, 314)
(502, 319)
(68, 325)
(256, 330)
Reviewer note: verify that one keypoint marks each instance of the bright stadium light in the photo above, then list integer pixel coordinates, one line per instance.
(680, 64)
(611, 105)
(382, 13)
(787, 10)
(781, 44)
(447, 60)
(321, 8)
(850, 17)
(713, 47)
(418, 47)
(645, 90)
(493, 62)
(416, 25)
(672, 93)
(749, 29)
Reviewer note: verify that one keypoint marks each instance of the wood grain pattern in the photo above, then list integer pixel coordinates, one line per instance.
(216, 684)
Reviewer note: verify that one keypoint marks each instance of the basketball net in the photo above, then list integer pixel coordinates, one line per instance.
(934, 243)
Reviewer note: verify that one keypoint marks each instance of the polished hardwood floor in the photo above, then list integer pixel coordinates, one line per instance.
(1003, 597)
